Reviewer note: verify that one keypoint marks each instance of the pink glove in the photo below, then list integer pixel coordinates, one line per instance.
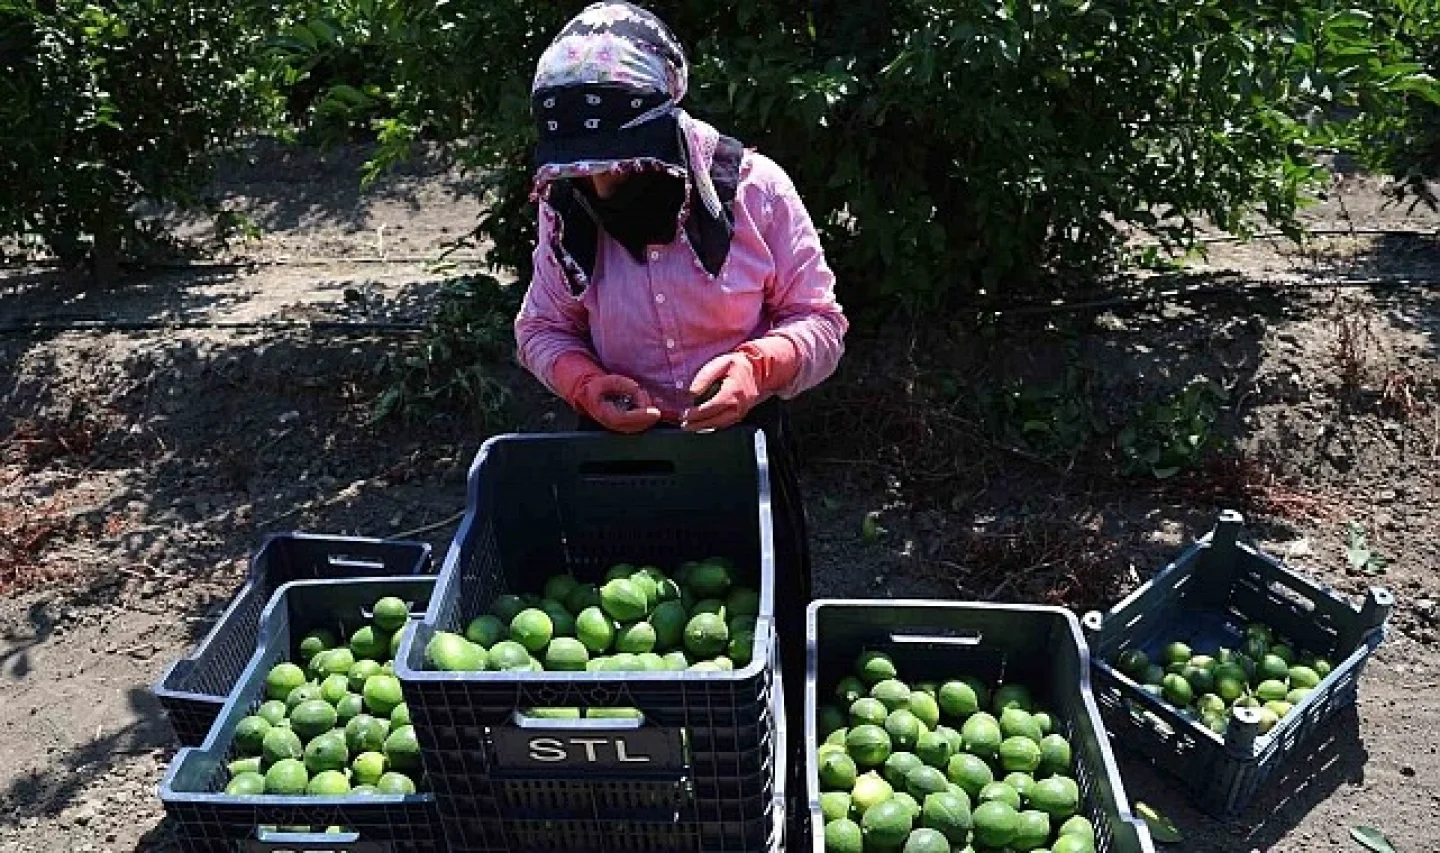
(616, 402)
(748, 376)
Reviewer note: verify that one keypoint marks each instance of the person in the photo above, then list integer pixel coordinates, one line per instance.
(679, 282)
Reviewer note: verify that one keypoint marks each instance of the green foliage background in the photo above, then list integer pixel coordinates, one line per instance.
(944, 148)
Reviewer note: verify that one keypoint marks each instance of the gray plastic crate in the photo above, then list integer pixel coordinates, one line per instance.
(207, 820)
(193, 689)
(1205, 598)
(1039, 646)
(540, 503)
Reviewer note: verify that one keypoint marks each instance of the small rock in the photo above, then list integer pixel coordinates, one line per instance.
(1407, 770)
(1385, 496)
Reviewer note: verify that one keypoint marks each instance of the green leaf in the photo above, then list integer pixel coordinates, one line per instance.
(1371, 838)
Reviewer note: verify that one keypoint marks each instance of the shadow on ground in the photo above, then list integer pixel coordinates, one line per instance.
(1333, 758)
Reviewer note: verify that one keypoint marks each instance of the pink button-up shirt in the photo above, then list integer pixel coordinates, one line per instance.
(660, 322)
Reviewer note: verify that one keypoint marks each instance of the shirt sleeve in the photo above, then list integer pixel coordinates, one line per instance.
(552, 321)
(802, 304)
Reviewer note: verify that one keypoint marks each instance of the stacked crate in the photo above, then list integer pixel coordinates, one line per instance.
(701, 766)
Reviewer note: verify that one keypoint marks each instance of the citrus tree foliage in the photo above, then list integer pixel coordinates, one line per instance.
(946, 148)
(105, 105)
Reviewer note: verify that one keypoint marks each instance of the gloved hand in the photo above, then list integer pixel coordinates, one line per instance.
(749, 375)
(616, 402)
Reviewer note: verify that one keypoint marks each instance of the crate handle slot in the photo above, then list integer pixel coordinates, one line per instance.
(955, 638)
(602, 724)
(274, 841)
(616, 469)
(351, 561)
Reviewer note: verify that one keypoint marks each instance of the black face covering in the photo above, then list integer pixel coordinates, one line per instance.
(642, 210)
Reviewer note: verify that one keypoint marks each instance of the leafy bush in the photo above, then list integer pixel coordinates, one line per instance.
(949, 148)
(459, 362)
(105, 105)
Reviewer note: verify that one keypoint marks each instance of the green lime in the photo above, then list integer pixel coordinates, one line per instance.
(369, 644)
(868, 711)
(995, 823)
(485, 631)
(948, 813)
(564, 655)
(402, 749)
(849, 689)
(247, 784)
(1000, 791)
(1057, 796)
(898, 766)
(636, 638)
(507, 607)
(904, 729)
(924, 781)
(389, 614)
(624, 601)
(327, 752)
(1032, 831)
(1177, 690)
(1019, 755)
(312, 718)
(925, 840)
(706, 636)
(334, 687)
(250, 735)
(837, 771)
(844, 836)
(359, 673)
(595, 630)
(393, 783)
(970, 772)
(1176, 652)
(870, 790)
(559, 587)
(273, 711)
(982, 735)
(1017, 723)
(532, 628)
(316, 641)
(886, 825)
(287, 777)
(365, 733)
(368, 767)
(869, 745)
(874, 667)
(835, 805)
(958, 700)
(1055, 755)
(934, 749)
(328, 783)
(509, 656)
(283, 679)
(382, 694)
(281, 743)
(400, 716)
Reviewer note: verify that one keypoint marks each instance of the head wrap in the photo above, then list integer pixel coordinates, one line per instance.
(606, 98)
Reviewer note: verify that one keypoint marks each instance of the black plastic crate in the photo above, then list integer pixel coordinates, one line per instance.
(1205, 598)
(193, 788)
(194, 688)
(1039, 646)
(582, 502)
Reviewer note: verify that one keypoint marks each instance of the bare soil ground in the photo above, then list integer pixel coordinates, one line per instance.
(139, 465)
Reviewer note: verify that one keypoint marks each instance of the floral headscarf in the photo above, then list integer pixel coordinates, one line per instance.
(606, 97)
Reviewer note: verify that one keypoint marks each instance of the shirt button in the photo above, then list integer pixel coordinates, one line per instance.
(670, 343)
(659, 297)
(654, 254)
(679, 386)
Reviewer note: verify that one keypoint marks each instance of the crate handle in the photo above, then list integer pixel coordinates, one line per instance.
(618, 469)
(956, 638)
(352, 561)
(603, 724)
(274, 841)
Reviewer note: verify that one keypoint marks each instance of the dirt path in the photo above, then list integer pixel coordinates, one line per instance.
(142, 466)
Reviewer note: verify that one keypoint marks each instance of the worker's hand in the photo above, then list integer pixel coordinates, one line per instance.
(736, 395)
(617, 403)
